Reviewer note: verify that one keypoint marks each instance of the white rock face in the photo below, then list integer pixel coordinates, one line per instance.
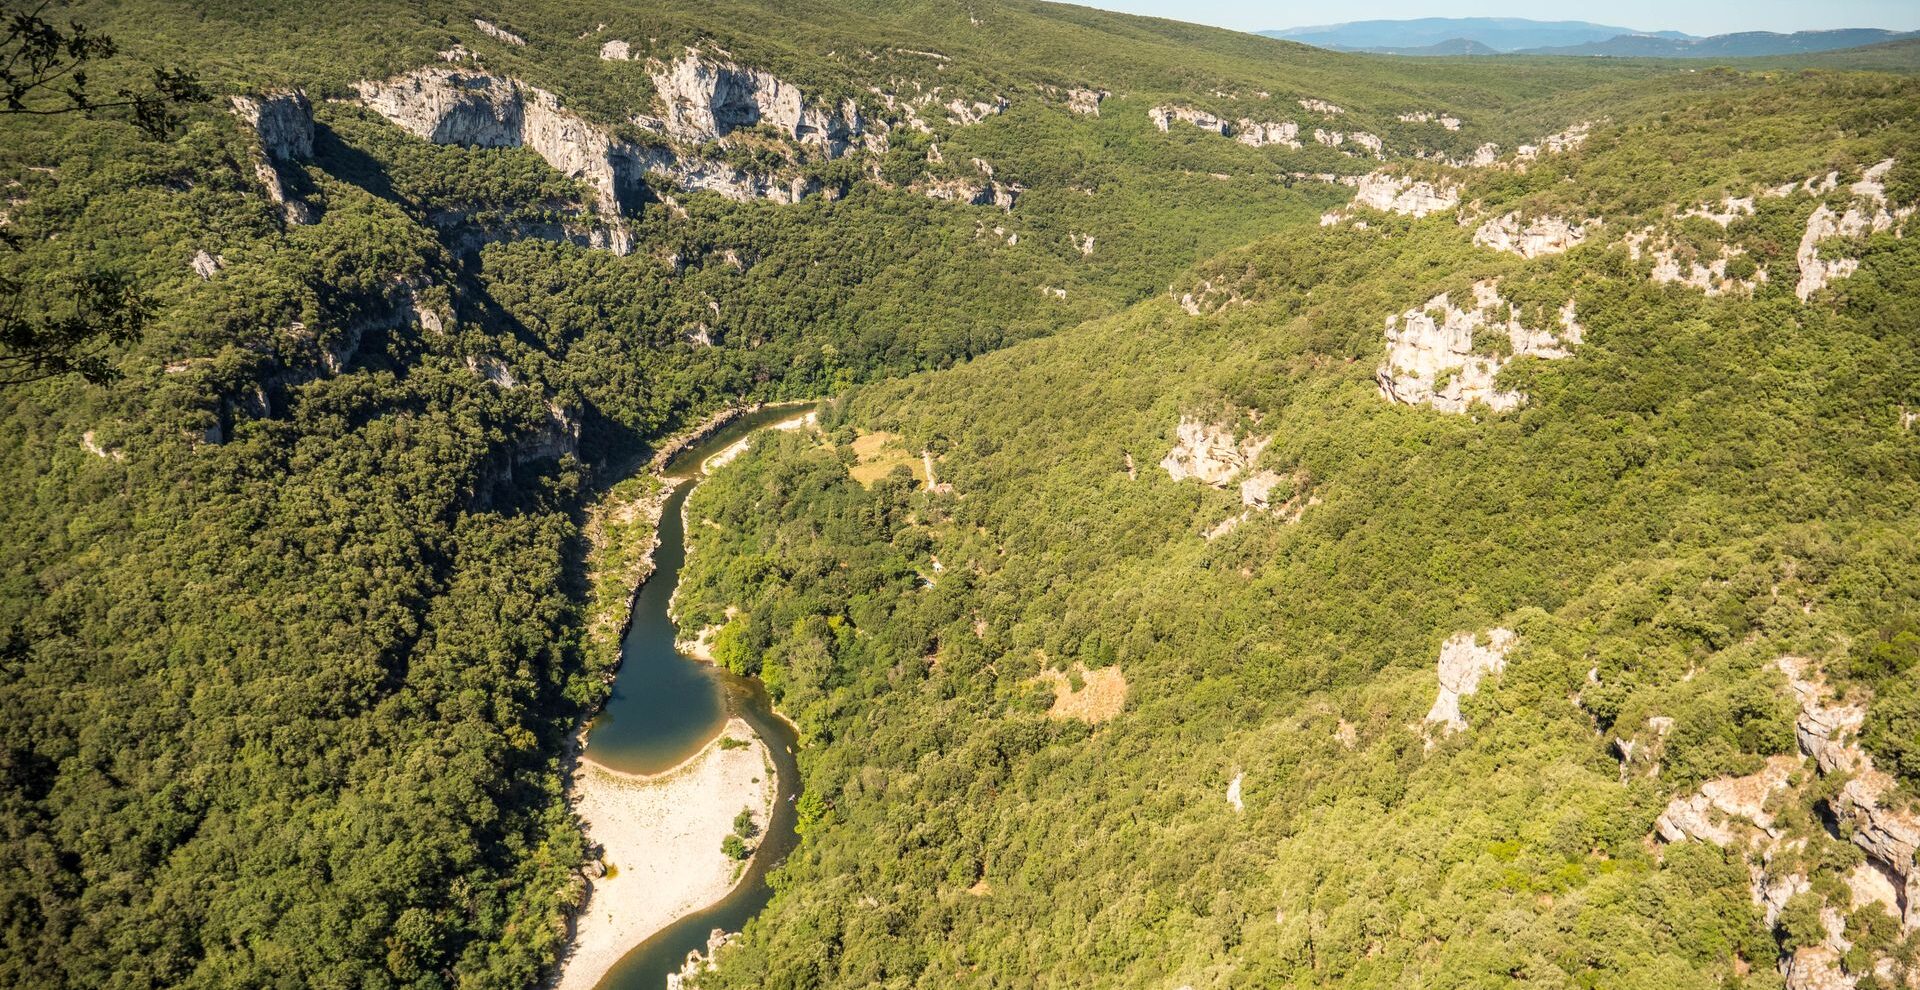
(708, 98)
(1403, 195)
(616, 51)
(1710, 278)
(973, 192)
(697, 963)
(1256, 490)
(1868, 213)
(206, 265)
(1247, 131)
(496, 31)
(1567, 140)
(1539, 236)
(1260, 134)
(1725, 212)
(1086, 101)
(1711, 814)
(1233, 793)
(1208, 452)
(455, 105)
(1430, 356)
(283, 121)
(1447, 121)
(1321, 107)
(1463, 662)
(1163, 116)
(1367, 141)
(1828, 732)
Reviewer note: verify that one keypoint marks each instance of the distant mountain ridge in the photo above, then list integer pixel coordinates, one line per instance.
(1743, 44)
(1436, 36)
(1502, 34)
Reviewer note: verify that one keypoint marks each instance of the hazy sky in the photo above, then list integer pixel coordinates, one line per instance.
(1691, 16)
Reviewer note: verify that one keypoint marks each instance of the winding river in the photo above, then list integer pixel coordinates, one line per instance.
(665, 707)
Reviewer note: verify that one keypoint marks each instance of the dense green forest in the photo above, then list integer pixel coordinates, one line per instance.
(294, 621)
(1706, 485)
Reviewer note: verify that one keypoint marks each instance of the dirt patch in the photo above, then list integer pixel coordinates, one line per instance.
(877, 454)
(1101, 695)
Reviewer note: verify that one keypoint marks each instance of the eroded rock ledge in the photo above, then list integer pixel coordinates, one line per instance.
(1431, 358)
(1740, 813)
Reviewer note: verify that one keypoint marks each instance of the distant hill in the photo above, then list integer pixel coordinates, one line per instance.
(1894, 56)
(1500, 34)
(1451, 46)
(1745, 44)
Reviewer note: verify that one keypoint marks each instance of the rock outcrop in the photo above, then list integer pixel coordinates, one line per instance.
(1567, 140)
(455, 105)
(707, 99)
(1260, 134)
(282, 123)
(1463, 663)
(1867, 213)
(1163, 116)
(973, 192)
(1404, 195)
(1725, 212)
(1086, 101)
(1673, 265)
(1536, 237)
(495, 31)
(1209, 452)
(1716, 812)
(206, 265)
(697, 962)
(1247, 131)
(1828, 731)
(1739, 813)
(1431, 357)
(1321, 107)
(1447, 121)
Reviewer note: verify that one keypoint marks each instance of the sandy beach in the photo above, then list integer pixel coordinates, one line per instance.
(660, 839)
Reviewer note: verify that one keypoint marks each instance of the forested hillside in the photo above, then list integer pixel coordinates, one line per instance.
(293, 597)
(1708, 478)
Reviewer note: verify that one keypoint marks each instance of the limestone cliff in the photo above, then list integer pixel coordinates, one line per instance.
(707, 99)
(1533, 238)
(1867, 212)
(1404, 195)
(282, 123)
(1431, 357)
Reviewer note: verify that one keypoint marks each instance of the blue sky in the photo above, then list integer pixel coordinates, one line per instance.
(1691, 16)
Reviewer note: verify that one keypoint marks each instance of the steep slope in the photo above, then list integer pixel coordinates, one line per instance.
(293, 624)
(1540, 690)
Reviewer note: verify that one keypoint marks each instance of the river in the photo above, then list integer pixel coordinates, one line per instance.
(665, 707)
